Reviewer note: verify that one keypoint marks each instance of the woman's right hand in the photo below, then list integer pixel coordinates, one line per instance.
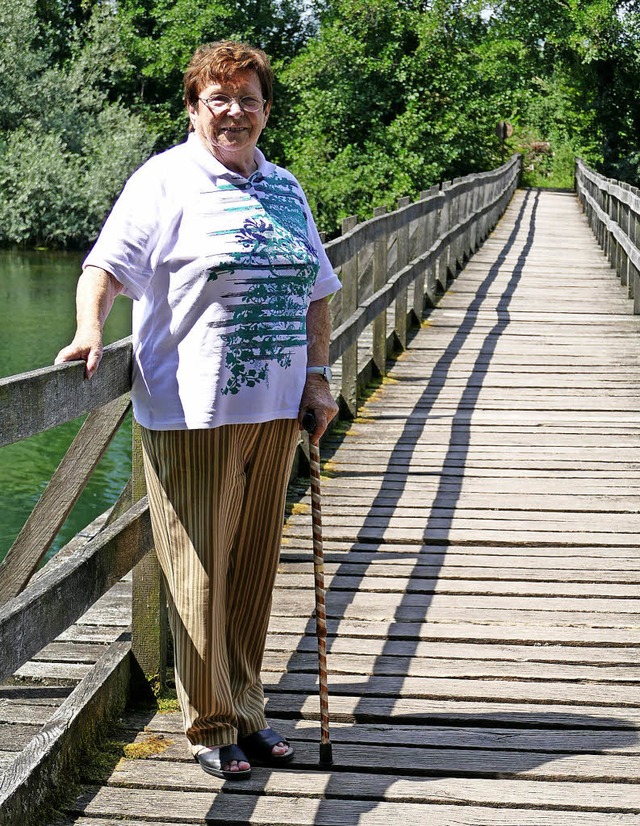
(97, 290)
(87, 347)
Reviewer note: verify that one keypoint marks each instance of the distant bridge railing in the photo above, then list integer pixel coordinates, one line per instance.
(403, 259)
(613, 211)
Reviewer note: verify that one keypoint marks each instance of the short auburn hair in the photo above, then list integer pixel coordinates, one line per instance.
(220, 61)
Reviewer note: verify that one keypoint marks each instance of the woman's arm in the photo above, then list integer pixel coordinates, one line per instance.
(316, 395)
(96, 292)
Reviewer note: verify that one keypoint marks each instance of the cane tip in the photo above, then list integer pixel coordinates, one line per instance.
(326, 754)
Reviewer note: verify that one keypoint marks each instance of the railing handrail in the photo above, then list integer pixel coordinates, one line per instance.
(613, 211)
(351, 328)
(41, 399)
(448, 225)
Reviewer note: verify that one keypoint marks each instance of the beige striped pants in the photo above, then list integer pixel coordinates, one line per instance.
(216, 499)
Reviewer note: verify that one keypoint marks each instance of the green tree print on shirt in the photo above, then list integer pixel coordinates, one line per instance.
(270, 282)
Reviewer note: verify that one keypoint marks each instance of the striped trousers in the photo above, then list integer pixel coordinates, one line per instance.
(216, 499)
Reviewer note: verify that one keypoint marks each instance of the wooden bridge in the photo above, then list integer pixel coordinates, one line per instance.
(482, 526)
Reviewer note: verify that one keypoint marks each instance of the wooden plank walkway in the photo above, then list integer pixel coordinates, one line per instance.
(481, 537)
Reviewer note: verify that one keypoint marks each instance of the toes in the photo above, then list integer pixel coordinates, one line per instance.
(235, 766)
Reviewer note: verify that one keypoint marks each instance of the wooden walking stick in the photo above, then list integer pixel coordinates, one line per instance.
(326, 755)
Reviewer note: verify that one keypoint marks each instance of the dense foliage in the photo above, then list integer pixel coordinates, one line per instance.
(375, 99)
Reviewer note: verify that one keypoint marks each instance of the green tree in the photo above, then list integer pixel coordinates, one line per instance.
(163, 34)
(387, 100)
(66, 144)
(578, 67)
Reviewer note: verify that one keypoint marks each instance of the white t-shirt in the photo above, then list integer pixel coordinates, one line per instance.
(222, 270)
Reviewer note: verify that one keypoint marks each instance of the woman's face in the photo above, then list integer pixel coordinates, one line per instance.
(231, 135)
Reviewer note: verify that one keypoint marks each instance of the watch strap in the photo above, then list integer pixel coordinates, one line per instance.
(324, 371)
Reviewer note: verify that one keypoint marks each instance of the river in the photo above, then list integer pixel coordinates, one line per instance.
(37, 318)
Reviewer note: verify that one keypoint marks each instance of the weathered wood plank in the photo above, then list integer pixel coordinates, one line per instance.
(432, 761)
(508, 555)
(462, 535)
(491, 690)
(470, 632)
(413, 666)
(73, 652)
(541, 740)
(445, 575)
(59, 673)
(187, 777)
(16, 736)
(33, 402)
(198, 807)
(439, 608)
(473, 654)
(408, 583)
(453, 711)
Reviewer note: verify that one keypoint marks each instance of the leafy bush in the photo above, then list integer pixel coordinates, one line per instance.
(64, 161)
(51, 196)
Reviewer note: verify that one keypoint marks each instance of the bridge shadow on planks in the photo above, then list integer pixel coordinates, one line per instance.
(235, 806)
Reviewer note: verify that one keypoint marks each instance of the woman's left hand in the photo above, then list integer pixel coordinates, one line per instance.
(317, 398)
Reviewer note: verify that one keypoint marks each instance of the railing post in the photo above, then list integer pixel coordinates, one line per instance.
(149, 625)
(349, 391)
(605, 229)
(473, 228)
(457, 247)
(432, 223)
(444, 225)
(465, 212)
(624, 215)
(402, 259)
(420, 248)
(634, 274)
(613, 244)
(379, 327)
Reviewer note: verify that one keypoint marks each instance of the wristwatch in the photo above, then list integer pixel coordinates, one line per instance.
(325, 372)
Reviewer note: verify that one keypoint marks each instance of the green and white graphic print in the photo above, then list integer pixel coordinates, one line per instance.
(268, 280)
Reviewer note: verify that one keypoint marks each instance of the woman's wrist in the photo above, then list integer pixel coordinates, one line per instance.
(320, 370)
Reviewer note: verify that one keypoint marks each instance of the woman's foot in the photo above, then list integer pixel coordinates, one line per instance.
(267, 746)
(227, 762)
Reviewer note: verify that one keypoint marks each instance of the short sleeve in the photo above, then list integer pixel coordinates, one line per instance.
(327, 281)
(129, 240)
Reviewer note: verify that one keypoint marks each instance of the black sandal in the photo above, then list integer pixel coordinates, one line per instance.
(213, 762)
(259, 747)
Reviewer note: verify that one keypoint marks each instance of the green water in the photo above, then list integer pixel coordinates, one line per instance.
(37, 318)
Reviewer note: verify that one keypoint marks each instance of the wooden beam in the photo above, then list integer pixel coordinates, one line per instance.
(63, 592)
(41, 399)
(59, 497)
(36, 777)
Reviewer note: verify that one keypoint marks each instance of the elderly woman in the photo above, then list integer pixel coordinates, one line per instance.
(219, 251)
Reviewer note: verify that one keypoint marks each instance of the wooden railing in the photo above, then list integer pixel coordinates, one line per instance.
(403, 259)
(613, 211)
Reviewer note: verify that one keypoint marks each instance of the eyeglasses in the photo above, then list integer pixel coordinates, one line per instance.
(220, 103)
